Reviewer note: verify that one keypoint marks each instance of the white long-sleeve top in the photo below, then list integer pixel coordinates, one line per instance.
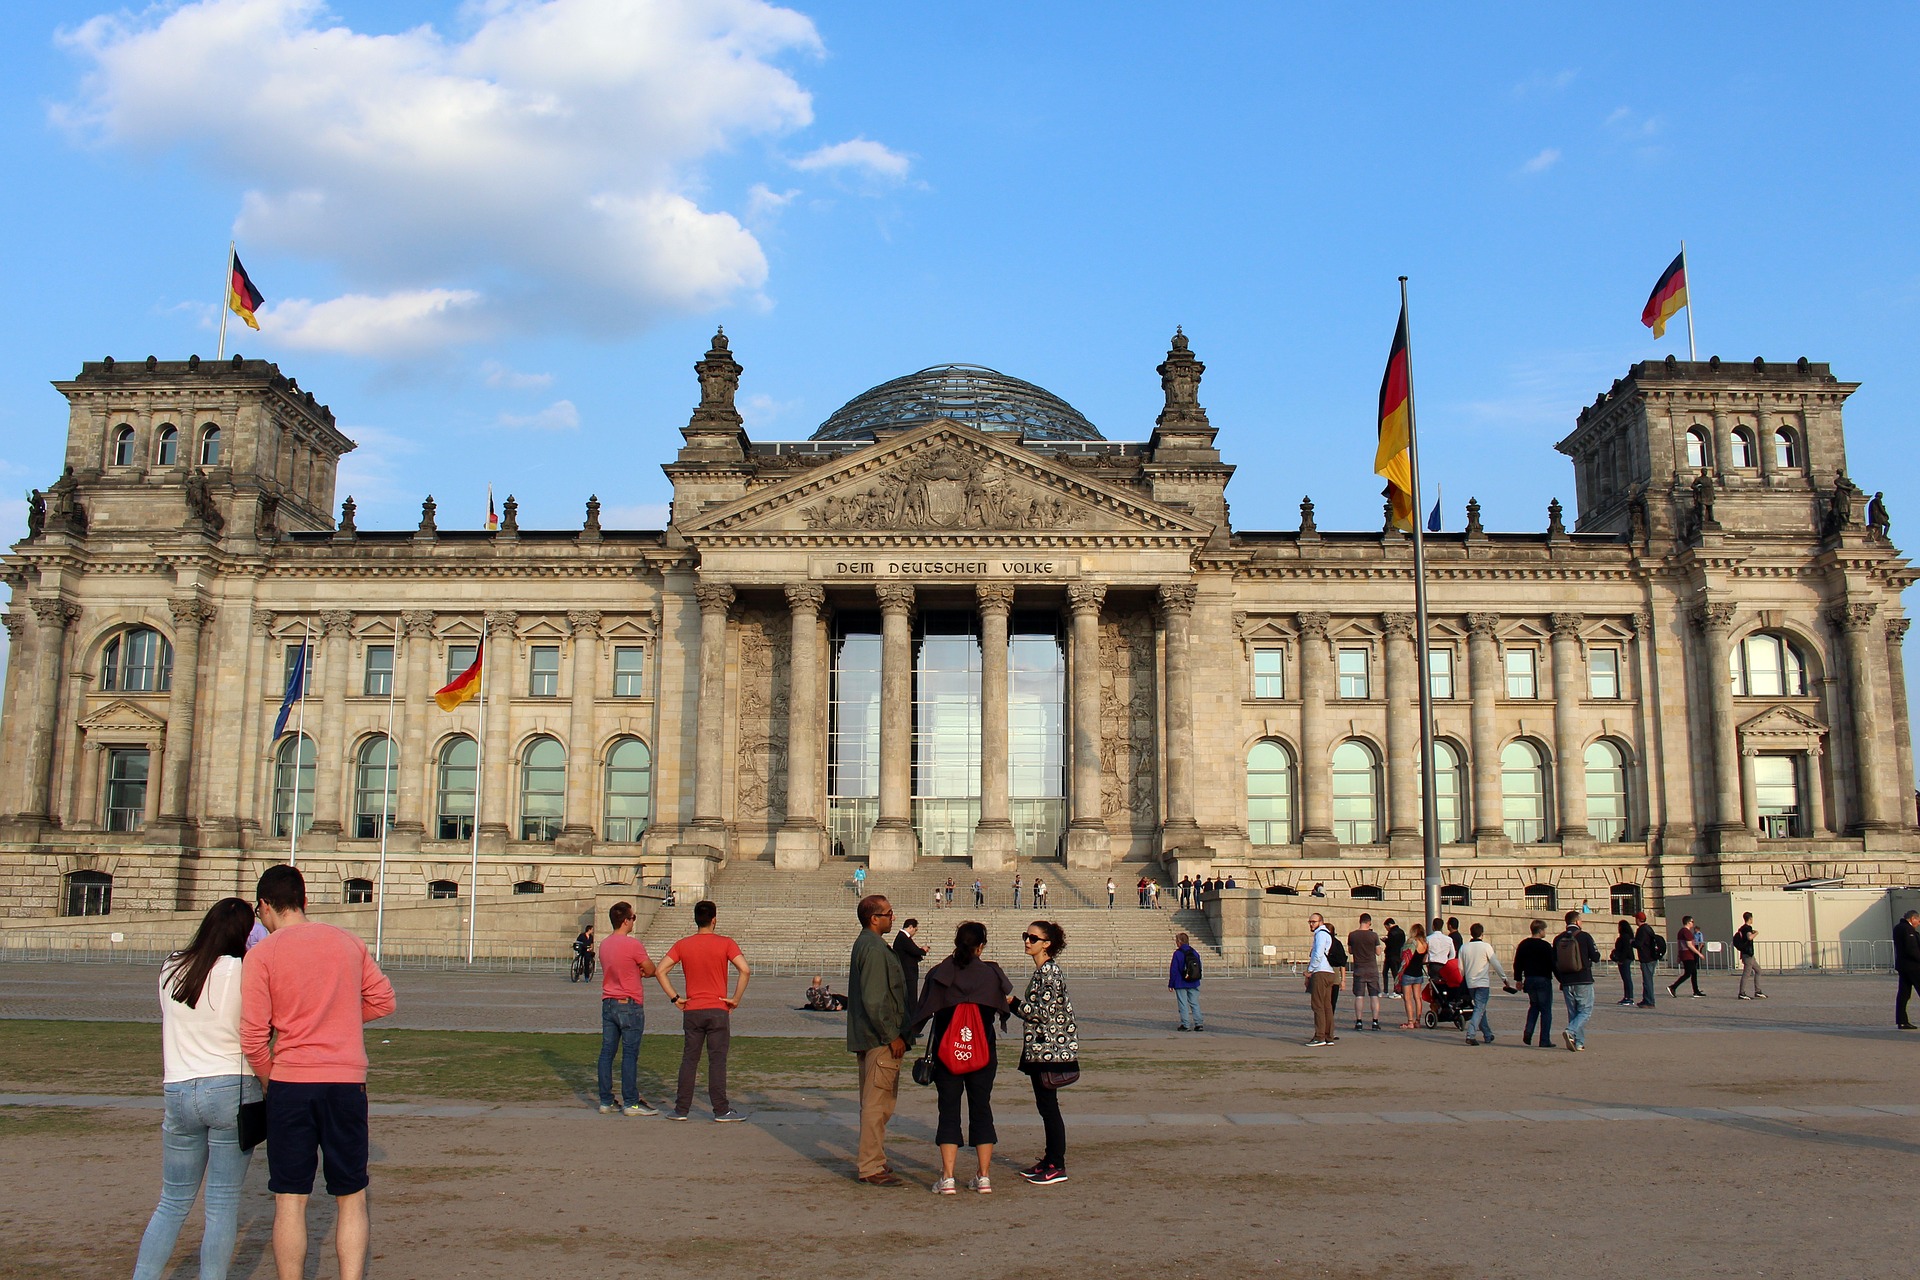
(1478, 964)
(204, 1040)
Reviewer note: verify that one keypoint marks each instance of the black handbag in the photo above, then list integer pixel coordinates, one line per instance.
(1057, 1077)
(253, 1124)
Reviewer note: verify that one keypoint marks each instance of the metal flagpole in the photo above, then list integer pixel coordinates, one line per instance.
(386, 802)
(226, 292)
(1429, 805)
(300, 742)
(1687, 272)
(479, 789)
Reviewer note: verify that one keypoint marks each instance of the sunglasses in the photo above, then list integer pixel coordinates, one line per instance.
(1031, 938)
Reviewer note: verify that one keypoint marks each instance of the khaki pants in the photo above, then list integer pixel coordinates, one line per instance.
(1320, 991)
(879, 1090)
(1749, 968)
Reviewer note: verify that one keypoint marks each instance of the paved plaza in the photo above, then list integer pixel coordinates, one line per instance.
(1722, 1137)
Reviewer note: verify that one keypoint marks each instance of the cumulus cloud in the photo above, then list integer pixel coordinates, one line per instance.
(497, 375)
(540, 167)
(1543, 161)
(861, 156)
(558, 416)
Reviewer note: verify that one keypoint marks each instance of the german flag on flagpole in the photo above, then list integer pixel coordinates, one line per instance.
(1668, 296)
(1392, 459)
(242, 297)
(493, 518)
(463, 686)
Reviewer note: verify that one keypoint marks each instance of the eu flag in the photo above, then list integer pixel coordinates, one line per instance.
(296, 689)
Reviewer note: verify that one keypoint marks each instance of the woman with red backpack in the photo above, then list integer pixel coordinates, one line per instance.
(961, 997)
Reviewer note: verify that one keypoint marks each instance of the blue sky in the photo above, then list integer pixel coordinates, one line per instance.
(495, 236)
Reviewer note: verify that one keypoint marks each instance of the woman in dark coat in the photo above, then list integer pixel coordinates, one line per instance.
(1622, 957)
(964, 978)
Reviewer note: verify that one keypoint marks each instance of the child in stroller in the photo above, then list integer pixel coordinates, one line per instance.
(1446, 996)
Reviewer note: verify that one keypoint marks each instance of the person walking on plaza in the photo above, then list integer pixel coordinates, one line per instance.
(1322, 979)
(1692, 951)
(706, 1009)
(1453, 934)
(305, 994)
(964, 990)
(1648, 947)
(1574, 955)
(205, 1078)
(1050, 1045)
(1363, 955)
(1478, 964)
(876, 1031)
(1111, 893)
(1743, 940)
(907, 948)
(1906, 966)
(1413, 975)
(1533, 971)
(1622, 957)
(625, 967)
(1440, 948)
(1183, 979)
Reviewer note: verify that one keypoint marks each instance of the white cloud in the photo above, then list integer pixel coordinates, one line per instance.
(761, 411)
(763, 201)
(543, 163)
(1543, 161)
(858, 155)
(497, 375)
(372, 476)
(558, 416)
(362, 325)
(1629, 123)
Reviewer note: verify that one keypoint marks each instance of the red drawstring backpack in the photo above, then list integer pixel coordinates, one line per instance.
(964, 1046)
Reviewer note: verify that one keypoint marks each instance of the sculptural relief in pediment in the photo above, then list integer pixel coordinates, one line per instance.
(947, 488)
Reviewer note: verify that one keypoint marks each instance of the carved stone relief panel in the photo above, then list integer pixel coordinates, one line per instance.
(1128, 759)
(765, 644)
(945, 489)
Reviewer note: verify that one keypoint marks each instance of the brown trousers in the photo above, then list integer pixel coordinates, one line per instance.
(879, 1090)
(1320, 990)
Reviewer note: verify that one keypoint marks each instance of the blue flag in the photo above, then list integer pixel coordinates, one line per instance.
(1433, 521)
(296, 690)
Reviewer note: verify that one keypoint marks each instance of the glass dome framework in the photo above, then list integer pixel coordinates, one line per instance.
(965, 393)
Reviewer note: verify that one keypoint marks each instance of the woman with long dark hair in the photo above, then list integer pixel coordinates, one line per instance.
(1050, 1049)
(1622, 957)
(961, 982)
(206, 1079)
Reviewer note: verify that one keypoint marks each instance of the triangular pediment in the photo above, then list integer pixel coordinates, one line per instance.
(940, 480)
(1782, 722)
(123, 717)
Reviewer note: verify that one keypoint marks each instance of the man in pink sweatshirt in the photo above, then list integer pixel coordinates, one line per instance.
(305, 992)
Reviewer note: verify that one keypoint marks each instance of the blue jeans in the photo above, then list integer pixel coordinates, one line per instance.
(1540, 1007)
(1646, 981)
(199, 1138)
(1579, 1009)
(1188, 998)
(621, 1023)
(1482, 996)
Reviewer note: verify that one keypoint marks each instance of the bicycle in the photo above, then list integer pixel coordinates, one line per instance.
(582, 966)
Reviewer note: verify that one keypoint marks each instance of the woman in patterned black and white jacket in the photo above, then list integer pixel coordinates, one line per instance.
(1050, 1052)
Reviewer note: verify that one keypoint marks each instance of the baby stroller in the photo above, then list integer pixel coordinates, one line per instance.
(1447, 1001)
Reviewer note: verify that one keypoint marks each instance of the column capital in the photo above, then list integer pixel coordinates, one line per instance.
(502, 620)
(1566, 626)
(1854, 615)
(1314, 623)
(1483, 624)
(1177, 598)
(418, 622)
(994, 597)
(1086, 597)
(1398, 625)
(263, 620)
(190, 613)
(806, 598)
(895, 597)
(55, 612)
(1897, 629)
(714, 597)
(12, 622)
(335, 621)
(584, 622)
(1642, 621)
(1714, 615)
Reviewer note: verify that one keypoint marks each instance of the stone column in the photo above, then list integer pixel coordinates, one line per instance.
(1087, 841)
(1714, 621)
(1176, 620)
(501, 797)
(265, 687)
(1483, 672)
(894, 846)
(1897, 694)
(801, 842)
(1570, 761)
(190, 617)
(1315, 772)
(329, 742)
(994, 845)
(414, 805)
(709, 759)
(1816, 795)
(1403, 735)
(91, 760)
(577, 833)
(12, 703)
(1856, 619)
(53, 616)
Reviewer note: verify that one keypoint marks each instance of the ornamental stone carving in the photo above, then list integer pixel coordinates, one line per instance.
(263, 621)
(1897, 629)
(1854, 615)
(805, 598)
(1715, 615)
(1086, 597)
(994, 597)
(1398, 625)
(895, 597)
(713, 597)
(1314, 623)
(55, 613)
(946, 489)
(502, 620)
(335, 621)
(1128, 764)
(760, 786)
(1177, 597)
(1642, 622)
(1483, 624)
(418, 622)
(190, 614)
(1565, 625)
(584, 623)
(12, 622)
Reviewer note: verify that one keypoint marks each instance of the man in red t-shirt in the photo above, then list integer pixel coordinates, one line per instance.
(702, 959)
(624, 969)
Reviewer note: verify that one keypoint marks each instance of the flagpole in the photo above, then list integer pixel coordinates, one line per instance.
(1429, 802)
(386, 803)
(479, 786)
(225, 293)
(1687, 274)
(300, 742)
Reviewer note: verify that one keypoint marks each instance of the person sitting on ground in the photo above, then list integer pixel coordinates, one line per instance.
(820, 997)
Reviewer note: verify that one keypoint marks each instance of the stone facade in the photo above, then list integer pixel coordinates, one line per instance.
(1700, 686)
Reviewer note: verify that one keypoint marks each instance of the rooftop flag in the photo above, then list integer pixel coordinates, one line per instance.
(1433, 520)
(493, 519)
(242, 297)
(463, 686)
(1392, 459)
(1668, 296)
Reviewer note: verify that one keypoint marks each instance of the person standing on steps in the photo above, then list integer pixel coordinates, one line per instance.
(707, 1008)
(1039, 893)
(907, 948)
(1692, 951)
(1743, 940)
(949, 890)
(1906, 966)
(876, 1032)
(1110, 893)
(1622, 957)
(1648, 947)
(1186, 892)
(979, 894)
(1183, 979)
(1016, 888)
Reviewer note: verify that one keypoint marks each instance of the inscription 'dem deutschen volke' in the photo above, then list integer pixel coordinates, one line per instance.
(869, 567)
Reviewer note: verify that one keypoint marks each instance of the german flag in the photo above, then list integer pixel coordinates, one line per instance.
(241, 295)
(1393, 458)
(1667, 297)
(463, 686)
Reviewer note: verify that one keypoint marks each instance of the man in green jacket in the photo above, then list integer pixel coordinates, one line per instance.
(876, 1031)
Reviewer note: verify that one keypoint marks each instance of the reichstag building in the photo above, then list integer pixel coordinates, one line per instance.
(957, 622)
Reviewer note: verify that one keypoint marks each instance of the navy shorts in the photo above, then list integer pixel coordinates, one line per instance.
(307, 1123)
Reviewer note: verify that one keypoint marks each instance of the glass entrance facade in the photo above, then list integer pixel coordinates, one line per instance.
(1037, 733)
(853, 735)
(946, 732)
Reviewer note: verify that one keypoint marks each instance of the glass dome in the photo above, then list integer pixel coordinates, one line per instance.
(966, 393)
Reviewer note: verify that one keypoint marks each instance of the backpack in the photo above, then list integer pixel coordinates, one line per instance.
(1336, 954)
(1568, 955)
(1190, 966)
(963, 1048)
(1659, 947)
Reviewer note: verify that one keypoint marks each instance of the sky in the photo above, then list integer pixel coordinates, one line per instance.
(495, 236)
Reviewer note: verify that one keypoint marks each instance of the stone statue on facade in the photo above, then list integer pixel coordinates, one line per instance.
(64, 512)
(1701, 516)
(36, 513)
(1877, 523)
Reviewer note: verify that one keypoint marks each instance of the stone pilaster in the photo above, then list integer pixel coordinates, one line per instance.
(1570, 762)
(1714, 620)
(1176, 620)
(801, 842)
(1403, 735)
(1897, 694)
(715, 600)
(894, 845)
(994, 846)
(190, 618)
(1087, 841)
(577, 834)
(1855, 620)
(1316, 751)
(1484, 674)
(52, 617)
(413, 665)
(501, 797)
(330, 754)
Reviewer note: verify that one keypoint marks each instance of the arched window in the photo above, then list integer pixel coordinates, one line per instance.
(120, 452)
(1542, 897)
(1745, 452)
(293, 786)
(629, 791)
(1523, 792)
(543, 789)
(1269, 793)
(1696, 447)
(1623, 899)
(1786, 449)
(89, 893)
(1766, 665)
(1449, 792)
(357, 892)
(1455, 895)
(1607, 791)
(1367, 893)
(137, 661)
(376, 787)
(443, 890)
(454, 806)
(529, 886)
(1356, 793)
(209, 445)
(166, 445)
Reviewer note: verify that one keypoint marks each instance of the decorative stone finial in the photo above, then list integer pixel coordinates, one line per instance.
(1306, 517)
(1556, 525)
(593, 514)
(510, 516)
(347, 527)
(719, 375)
(1474, 529)
(427, 509)
(1180, 375)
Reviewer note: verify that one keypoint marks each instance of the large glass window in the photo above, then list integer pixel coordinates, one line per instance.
(629, 791)
(543, 789)
(293, 767)
(1356, 793)
(89, 893)
(379, 674)
(1603, 673)
(1776, 793)
(453, 808)
(1786, 449)
(1036, 733)
(459, 658)
(166, 449)
(1696, 447)
(1766, 665)
(127, 769)
(1523, 792)
(1440, 673)
(1270, 672)
(376, 783)
(1523, 680)
(1269, 793)
(1745, 453)
(137, 661)
(288, 658)
(1449, 792)
(629, 671)
(853, 733)
(209, 445)
(1606, 791)
(1353, 673)
(543, 671)
(946, 732)
(122, 450)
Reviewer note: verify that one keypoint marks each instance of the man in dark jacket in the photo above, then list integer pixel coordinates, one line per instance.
(876, 1031)
(910, 953)
(1186, 991)
(1576, 985)
(1395, 945)
(1647, 946)
(1906, 963)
